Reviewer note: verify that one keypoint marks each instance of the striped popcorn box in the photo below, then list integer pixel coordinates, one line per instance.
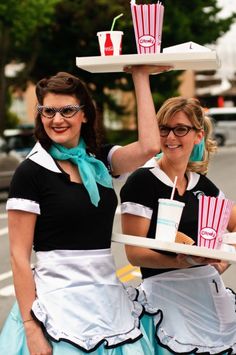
(148, 22)
(213, 217)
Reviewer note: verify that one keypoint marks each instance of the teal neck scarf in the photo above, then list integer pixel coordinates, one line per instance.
(92, 170)
(198, 151)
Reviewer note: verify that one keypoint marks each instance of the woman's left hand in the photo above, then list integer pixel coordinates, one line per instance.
(221, 266)
(189, 260)
(147, 69)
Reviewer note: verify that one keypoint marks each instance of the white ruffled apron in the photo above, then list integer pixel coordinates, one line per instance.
(195, 312)
(81, 301)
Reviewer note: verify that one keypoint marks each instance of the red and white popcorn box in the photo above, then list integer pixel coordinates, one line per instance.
(213, 218)
(148, 22)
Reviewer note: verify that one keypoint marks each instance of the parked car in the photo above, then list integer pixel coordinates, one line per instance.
(20, 140)
(8, 164)
(14, 147)
(224, 123)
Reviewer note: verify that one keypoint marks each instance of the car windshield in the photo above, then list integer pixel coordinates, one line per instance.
(20, 140)
(2, 144)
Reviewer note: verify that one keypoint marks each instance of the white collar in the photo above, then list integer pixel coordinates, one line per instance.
(161, 175)
(41, 157)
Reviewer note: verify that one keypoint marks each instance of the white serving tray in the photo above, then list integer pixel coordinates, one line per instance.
(229, 238)
(174, 247)
(179, 61)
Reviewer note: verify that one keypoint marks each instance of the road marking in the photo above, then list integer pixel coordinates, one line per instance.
(128, 273)
(130, 276)
(7, 291)
(124, 270)
(137, 273)
(3, 215)
(5, 275)
(3, 231)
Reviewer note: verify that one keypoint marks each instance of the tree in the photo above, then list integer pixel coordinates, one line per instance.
(77, 22)
(54, 47)
(18, 21)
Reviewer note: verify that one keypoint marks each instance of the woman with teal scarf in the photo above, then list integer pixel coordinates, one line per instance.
(62, 203)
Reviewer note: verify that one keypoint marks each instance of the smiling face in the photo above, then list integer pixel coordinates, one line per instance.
(175, 147)
(65, 131)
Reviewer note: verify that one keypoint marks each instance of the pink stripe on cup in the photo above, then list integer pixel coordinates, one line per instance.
(141, 28)
(135, 21)
(145, 15)
(216, 213)
(161, 11)
(221, 204)
(156, 28)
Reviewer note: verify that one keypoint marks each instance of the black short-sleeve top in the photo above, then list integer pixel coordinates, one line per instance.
(143, 188)
(66, 218)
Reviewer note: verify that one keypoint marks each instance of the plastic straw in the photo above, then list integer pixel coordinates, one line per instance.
(113, 23)
(173, 189)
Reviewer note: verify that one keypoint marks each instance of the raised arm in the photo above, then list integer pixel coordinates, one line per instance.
(132, 156)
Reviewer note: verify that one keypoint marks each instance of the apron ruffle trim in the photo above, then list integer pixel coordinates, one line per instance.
(178, 346)
(91, 344)
(86, 313)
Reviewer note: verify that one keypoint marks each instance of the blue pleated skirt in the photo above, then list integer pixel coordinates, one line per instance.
(13, 342)
(147, 324)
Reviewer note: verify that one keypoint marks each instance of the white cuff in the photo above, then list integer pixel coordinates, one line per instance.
(112, 150)
(136, 209)
(23, 205)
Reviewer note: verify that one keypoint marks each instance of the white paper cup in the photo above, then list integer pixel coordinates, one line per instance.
(110, 42)
(168, 218)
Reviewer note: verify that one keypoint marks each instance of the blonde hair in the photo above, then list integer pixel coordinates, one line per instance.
(196, 115)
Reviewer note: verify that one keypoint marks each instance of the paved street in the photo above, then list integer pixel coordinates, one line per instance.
(222, 172)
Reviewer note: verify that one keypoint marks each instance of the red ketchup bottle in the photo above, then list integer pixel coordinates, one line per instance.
(108, 45)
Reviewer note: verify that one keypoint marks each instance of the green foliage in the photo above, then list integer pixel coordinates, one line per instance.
(48, 41)
(121, 137)
(196, 20)
(77, 22)
(12, 120)
(21, 22)
(22, 19)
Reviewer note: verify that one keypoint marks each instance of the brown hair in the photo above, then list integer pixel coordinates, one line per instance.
(67, 84)
(196, 114)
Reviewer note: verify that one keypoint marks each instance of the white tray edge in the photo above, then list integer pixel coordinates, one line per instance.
(173, 247)
(229, 238)
(179, 61)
